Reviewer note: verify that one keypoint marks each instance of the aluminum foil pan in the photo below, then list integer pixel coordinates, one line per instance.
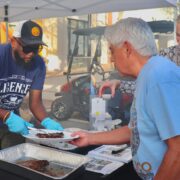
(67, 162)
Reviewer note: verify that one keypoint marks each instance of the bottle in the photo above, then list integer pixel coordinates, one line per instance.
(99, 122)
(108, 118)
(92, 90)
(97, 112)
(91, 114)
(108, 122)
(92, 121)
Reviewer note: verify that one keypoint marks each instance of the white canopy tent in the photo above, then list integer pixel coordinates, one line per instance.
(15, 10)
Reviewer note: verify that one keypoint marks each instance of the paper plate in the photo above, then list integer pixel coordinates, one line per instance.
(33, 136)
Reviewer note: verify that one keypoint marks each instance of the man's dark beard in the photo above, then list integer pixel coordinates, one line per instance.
(20, 61)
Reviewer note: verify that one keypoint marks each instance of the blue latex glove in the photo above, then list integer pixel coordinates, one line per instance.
(49, 123)
(18, 125)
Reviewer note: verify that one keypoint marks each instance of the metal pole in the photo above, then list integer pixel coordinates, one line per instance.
(178, 7)
(176, 13)
(6, 20)
(7, 31)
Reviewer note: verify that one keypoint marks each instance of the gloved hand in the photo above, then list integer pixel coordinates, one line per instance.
(18, 125)
(49, 123)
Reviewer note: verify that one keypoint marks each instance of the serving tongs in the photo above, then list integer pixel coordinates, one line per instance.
(119, 150)
(38, 130)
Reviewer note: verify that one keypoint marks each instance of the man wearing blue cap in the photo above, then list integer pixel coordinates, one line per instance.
(22, 71)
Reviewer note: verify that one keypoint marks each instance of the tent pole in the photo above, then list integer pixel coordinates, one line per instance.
(6, 20)
(6, 31)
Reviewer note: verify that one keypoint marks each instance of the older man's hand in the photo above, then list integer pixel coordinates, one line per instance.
(83, 140)
(113, 84)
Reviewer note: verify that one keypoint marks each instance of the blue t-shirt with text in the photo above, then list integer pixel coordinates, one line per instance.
(16, 81)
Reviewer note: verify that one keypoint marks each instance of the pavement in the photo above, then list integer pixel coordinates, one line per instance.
(51, 86)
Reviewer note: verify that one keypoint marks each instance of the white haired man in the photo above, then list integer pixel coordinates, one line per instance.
(154, 127)
(172, 53)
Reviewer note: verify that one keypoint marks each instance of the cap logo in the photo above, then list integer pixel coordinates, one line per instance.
(35, 31)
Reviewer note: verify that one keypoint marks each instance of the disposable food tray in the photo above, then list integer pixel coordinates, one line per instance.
(72, 164)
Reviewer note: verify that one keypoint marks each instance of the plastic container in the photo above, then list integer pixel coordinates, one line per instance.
(100, 120)
(108, 122)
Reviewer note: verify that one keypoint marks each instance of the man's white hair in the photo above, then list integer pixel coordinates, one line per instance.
(135, 31)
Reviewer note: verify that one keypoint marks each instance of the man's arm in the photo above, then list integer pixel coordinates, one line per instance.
(14, 122)
(38, 109)
(4, 114)
(36, 104)
(117, 136)
(124, 86)
(170, 166)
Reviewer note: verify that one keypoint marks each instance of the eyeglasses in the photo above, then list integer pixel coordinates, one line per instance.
(30, 48)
